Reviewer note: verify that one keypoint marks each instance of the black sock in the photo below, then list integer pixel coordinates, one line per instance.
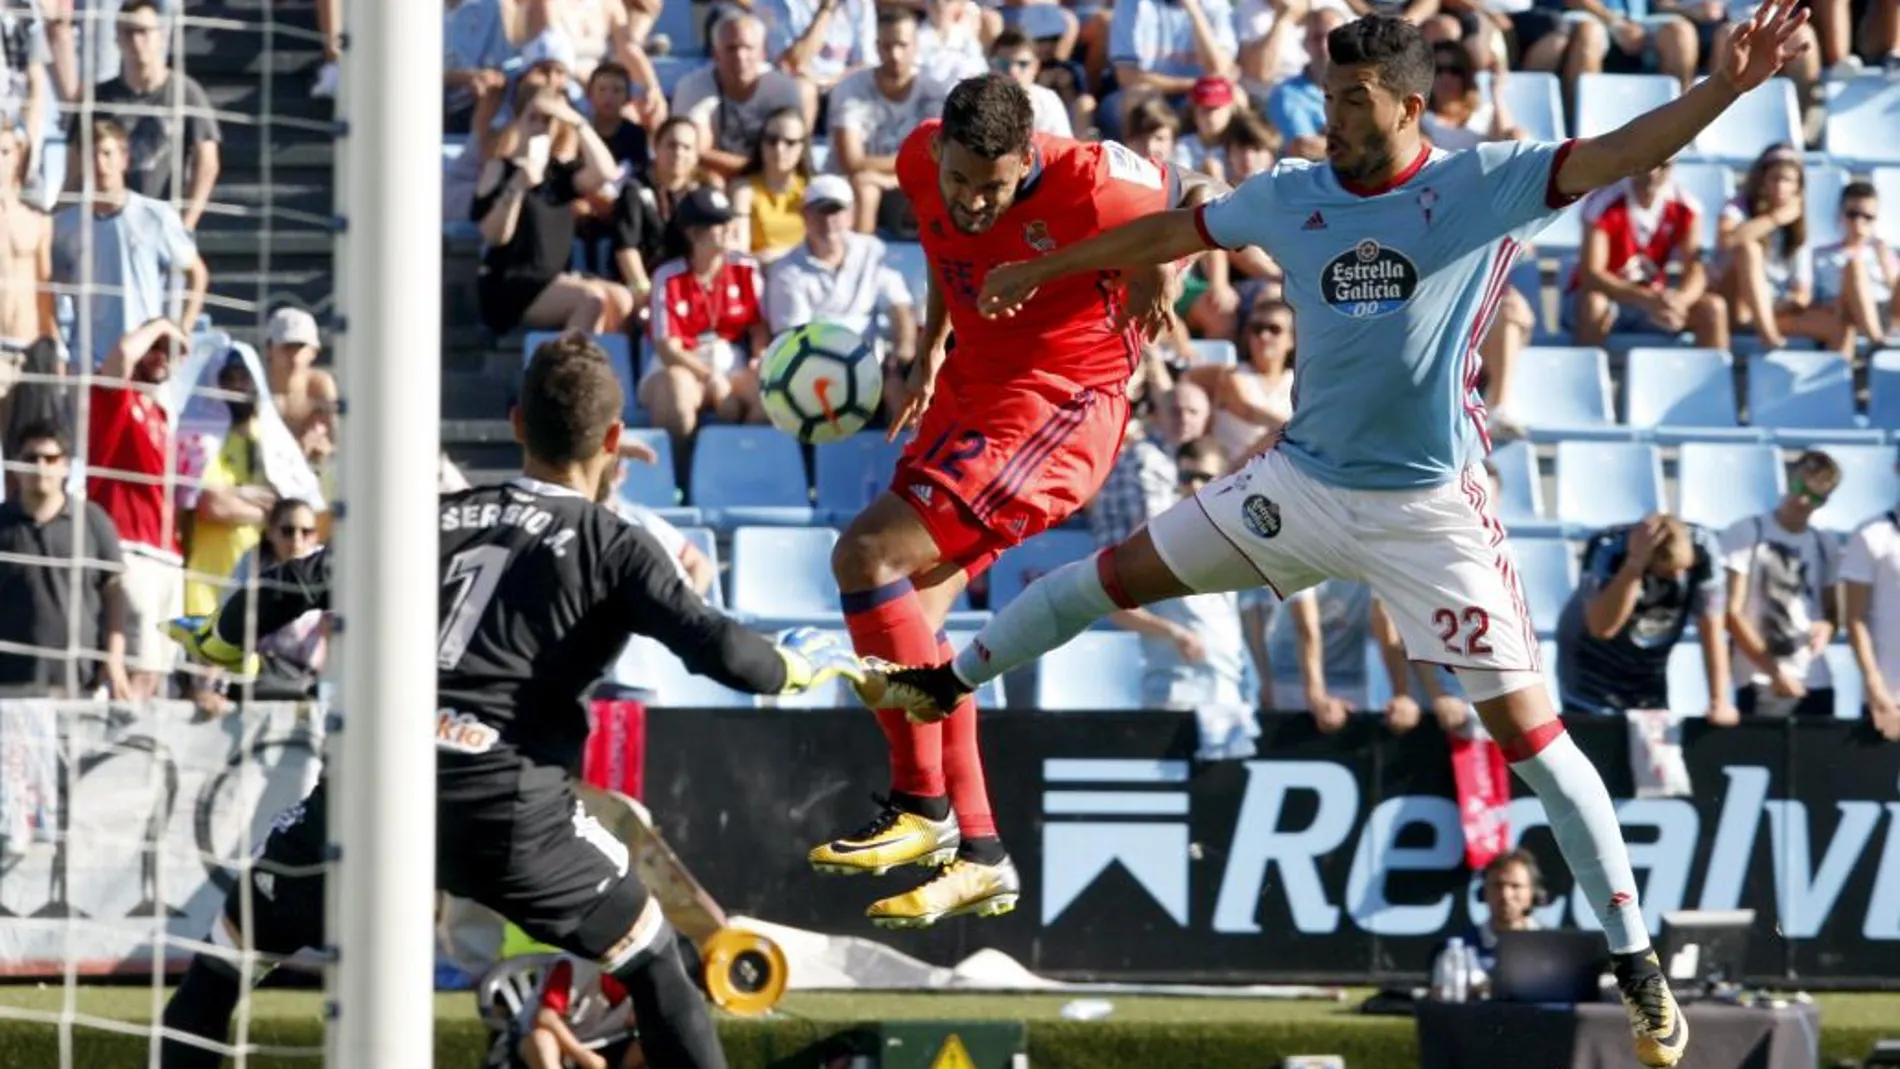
(982, 849)
(933, 806)
(676, 1028)
(1632, 967)
(201, 1007)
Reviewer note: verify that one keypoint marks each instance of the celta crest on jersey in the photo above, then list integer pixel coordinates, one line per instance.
(1369, 280)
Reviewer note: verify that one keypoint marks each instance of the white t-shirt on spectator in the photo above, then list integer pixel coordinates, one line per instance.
(22, 48)
(1475, 131)
(1158, 37)
(800, 290)
(1253, 20)
(948, 58)
(1873, 558)
(735, 124)
(850, 37)
(1788, 571)
(1880, 266)
(858, 104)
(1052, 116)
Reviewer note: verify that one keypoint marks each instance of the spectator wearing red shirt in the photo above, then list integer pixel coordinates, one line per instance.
(707, 303)
(129, 446)
(1622, 283)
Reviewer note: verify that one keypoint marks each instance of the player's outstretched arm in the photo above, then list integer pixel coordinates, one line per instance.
(1756, 51)
(283, 592)
(1152, 239)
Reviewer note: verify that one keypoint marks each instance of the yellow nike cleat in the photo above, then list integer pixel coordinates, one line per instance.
(1661, 1031)
(894, 837)
(963, 887)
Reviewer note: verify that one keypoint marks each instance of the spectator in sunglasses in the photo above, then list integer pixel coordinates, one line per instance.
(1255, 399)
(1857, 279)
(293, 654)
(769, 197)
(1781, 598)
(1014, 54)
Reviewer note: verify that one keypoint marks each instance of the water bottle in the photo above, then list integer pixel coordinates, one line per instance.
(1448, 972)
(1477, 981)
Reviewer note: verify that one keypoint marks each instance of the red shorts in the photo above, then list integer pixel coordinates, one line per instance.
(987, 475)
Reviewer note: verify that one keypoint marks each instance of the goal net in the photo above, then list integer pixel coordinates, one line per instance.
(169, 161)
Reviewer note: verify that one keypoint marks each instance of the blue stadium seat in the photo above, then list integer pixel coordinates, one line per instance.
(1711, 184)
(1607, 101)
(649, 665)
(1215, 351)
(1862, 115)
(1869, 487)
(619, 354)
(853, 472)
(1527, 278)
(707, 542)
(781, 576)
(745, 475)
(1686, 394)
(1565, 232)
(681, 23)
(1804, 397)
(1767, 116)
(1096, 670)
(1883, 388)
(1887, 184)
(652, 484)
(1718, 483)
(1849, 685)
(1572, 398)
(990, 695)
(1520, 488)
(1825, 182)
(1535, 101)
(670, 70)
(1601, 484)
(1044, 553)
(907, 259)
(1548, 568)
(1688, 679)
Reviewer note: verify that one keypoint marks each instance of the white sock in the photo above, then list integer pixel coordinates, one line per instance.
(1583, 821)
(1055, 609)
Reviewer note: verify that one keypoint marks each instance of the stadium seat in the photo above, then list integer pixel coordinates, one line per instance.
(619, 354)
(1718, 483)
(907, 259)
(749, 475)
(651, 484)
(1601, 484)
(1825, 183)
(1887, 185)
(1766, 116)
(1565, 232)
(1862, 115)
(781, 576)
(1685, 394)
(1548, 568)
(1096, 670)
(1869, 487)
(1849, 684)
(1527, 278)
(1215, 351)
(680, 23)
(650, 666)
(1883, 388)
(1607, 101)
(990, 695)
(670, 70)
(1688, 679)
(1044, 553)
(1804, 397)
(708, 543)
(853, 472)
(1572, 396)
(1711, 184)
(1520, 488)
(1535, 101)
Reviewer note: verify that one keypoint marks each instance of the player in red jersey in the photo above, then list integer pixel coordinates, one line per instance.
(1021, 421)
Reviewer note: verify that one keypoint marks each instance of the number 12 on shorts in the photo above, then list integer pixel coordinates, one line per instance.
(1463, 630)
(969, 445)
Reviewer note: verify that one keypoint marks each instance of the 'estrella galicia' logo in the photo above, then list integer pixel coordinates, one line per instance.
(1262, 515)
(1368, 280)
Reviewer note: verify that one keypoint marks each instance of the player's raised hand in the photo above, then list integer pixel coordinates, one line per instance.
(1760, 46)
(1006, 289)
(920, 382)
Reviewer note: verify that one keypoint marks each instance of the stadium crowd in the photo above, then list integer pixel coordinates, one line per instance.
(621, 184)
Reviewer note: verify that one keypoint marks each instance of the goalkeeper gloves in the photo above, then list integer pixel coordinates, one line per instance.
(199, 636)
(812, 657)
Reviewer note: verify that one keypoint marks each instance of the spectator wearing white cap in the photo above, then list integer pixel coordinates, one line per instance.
(305, 394)
(839, 276)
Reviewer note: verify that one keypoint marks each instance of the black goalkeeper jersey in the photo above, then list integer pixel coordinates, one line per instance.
(540, 589)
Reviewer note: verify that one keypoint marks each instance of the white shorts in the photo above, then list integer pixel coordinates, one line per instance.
(154, 592)
(1436, 557)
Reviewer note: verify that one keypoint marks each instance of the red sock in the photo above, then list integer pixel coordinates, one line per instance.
(963, 762)
(889, 623)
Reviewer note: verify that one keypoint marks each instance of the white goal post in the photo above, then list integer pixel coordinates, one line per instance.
(389, 271)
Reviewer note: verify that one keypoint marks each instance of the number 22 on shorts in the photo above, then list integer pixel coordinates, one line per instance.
(1472, 621)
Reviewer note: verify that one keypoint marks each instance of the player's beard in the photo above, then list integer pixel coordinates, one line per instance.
(1375, 156)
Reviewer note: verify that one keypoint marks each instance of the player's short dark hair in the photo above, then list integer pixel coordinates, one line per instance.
(1389, 43)
(989, 115)
(569, 398)
(1010, 40)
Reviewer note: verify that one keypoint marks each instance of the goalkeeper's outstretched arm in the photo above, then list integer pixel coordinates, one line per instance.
(282, 593)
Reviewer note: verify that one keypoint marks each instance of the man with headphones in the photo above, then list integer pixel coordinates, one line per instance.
(1513, 887)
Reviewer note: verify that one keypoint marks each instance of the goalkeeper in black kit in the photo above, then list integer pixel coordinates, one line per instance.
(541, 587)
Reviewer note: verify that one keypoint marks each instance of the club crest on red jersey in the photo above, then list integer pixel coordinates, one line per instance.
(1037, 234)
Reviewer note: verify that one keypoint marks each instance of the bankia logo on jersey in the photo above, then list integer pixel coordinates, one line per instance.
(1368, 280)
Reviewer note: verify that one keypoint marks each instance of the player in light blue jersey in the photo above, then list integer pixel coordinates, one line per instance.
(1396, 256)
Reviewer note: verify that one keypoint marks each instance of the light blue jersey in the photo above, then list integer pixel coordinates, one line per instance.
(1392, 293)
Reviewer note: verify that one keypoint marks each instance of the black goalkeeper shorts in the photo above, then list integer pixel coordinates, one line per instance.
(519, 842)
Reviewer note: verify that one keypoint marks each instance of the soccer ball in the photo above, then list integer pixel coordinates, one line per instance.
(820, 382)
